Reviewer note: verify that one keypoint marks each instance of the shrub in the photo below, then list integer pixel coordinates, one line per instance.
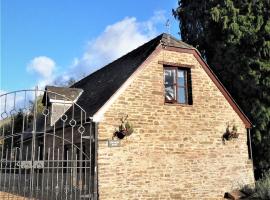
(262, 188)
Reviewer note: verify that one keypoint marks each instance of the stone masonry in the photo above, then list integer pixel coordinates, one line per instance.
(176, 151)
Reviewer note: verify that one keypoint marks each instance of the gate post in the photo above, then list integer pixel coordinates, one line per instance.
(96, 196)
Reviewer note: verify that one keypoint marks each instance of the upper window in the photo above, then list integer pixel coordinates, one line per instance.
(177, 84)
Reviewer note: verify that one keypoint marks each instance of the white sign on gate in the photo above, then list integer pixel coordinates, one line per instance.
(30, 164)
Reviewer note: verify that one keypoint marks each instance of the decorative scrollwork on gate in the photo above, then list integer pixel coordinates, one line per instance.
(45, 146)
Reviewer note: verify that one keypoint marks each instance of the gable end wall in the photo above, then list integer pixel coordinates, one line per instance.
(176, 151)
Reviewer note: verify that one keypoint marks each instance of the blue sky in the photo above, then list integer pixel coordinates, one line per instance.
(43, 41)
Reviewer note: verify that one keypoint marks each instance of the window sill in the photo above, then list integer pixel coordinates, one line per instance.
(177, 104)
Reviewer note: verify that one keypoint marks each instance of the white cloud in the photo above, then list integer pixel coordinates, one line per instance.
(116, 40)
(43, 68)
(42, 65)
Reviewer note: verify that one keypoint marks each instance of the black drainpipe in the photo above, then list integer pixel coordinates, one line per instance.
(249, 144)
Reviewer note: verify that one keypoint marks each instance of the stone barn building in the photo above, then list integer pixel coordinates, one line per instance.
(188, 139)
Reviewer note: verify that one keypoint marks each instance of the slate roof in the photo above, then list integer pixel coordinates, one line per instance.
(99, 86)
(65, 93)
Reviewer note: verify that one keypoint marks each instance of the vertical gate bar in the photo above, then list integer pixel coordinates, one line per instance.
(33, 143)
(3, 134)
(86, 186)
(91, 179)
(96, 167)
(25, 178)
(66, 188)
(3, 137)
(44, 159)
(21, 143)
(62, 165)
(44, 143)
(37, 182)
(3, 146)
(27, 120)
(5, 104)
(72, 150)
(48, 173)
(14, 170)
(85, 179)
(20, 159)
(11, 147)
(21, 190)
(53, 159)
(76, 175)
(53, 166)
(63, 147)
(5, 170)
(10, 163)
(80, 163)
(57, 178)
(2, 154)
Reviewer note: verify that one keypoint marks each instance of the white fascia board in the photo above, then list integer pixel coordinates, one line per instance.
(60, 101)
(63, 103)
(66, 101)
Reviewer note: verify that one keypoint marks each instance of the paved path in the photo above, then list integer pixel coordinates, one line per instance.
(8, 196)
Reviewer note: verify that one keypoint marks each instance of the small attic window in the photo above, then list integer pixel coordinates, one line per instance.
(177, 84)
(59, 99)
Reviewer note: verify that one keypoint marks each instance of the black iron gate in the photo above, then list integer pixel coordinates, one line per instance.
(47, 147)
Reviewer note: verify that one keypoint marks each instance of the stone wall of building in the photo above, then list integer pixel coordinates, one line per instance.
(176, 151)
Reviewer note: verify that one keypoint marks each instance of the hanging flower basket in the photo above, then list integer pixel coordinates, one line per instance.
(231, 132)
(125, 129)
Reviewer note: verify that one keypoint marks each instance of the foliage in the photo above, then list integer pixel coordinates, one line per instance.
(125, 129)
(22, 120)
(234, 38)
(15, 121)
(231, 132)
(65, 83)
(262, 188)
(14, 124)
(39, 105)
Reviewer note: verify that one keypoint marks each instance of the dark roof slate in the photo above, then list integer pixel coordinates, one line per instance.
(171, 41)
(63, 93)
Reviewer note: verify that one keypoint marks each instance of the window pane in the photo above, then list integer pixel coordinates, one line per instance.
(169, 76)
(181, 95)
(181, 77)
(170, 92)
